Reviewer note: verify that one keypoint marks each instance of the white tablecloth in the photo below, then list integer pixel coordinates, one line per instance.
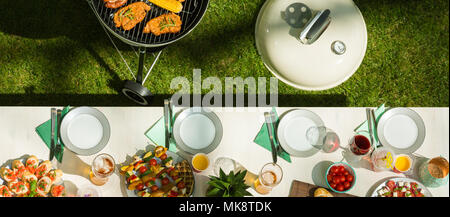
(128, 124)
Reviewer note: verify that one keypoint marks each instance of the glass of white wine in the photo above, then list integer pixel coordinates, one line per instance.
(269, 177)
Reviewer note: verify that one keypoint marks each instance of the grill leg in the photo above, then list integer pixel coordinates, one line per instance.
(141, 64)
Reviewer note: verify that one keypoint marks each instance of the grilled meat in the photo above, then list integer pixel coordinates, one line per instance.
(166, 23)
(114, 3)
(128, 17)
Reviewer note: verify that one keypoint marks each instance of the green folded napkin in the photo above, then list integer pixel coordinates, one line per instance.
(45, 130)
(263, 139)
(365, 126)
(157, 135)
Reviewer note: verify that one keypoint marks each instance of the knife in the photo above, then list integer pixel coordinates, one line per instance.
(166, 122)
(52, 134)
(170, 118)
(58, 132)
(369, 123)
(374, 119)
(268, 118)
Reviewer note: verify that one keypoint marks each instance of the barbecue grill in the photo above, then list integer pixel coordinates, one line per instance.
(192, 13)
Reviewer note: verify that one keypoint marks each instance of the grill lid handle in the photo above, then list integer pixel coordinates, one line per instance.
(315, 27)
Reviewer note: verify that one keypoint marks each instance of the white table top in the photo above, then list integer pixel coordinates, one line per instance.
(241, 125)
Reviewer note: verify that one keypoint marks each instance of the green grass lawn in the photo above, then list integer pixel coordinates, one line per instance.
(55, 52)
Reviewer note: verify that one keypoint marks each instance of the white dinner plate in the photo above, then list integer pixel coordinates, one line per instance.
(402, 130)
(85, 130)
(291, 132)
(197, 130)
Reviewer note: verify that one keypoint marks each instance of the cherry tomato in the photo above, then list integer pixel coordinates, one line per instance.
(154, 188)
(175, 177)
(391, 185)
(329, 178)
(142, 169)
(342, 179)
(349, 178)
(153, 162)
(333, 185)
(131, 177)
(334, 169)
(346, 173)
(341, 169)
(346, 185)
(336, 179)
(163, 156)
(140, 187)
(170, 169)
(180, 185)
(174, 193)
(340, 187)
(165, 181)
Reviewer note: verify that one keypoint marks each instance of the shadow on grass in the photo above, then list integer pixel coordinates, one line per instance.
(46, 19)
(319, 100)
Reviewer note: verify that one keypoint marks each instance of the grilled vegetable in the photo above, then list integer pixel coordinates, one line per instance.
(148, 156)
(171, 5)
(133, 185)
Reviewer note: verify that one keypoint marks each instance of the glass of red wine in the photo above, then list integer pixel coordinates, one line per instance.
(360, 143)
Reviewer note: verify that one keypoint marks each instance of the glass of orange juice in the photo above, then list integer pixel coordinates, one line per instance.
(402, 163)
(269, 177)
(200, 162)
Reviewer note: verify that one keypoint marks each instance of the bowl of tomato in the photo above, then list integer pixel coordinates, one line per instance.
(340, 177)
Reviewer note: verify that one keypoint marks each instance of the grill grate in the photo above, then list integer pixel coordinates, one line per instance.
(191, 14)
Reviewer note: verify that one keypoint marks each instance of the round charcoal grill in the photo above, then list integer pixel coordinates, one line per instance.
(192, 13)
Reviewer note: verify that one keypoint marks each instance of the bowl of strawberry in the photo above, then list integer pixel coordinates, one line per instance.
(340, 177)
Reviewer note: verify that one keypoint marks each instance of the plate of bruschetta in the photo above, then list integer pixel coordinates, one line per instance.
(31, 177)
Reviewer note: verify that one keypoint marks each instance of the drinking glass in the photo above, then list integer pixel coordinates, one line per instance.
(382, 159)
(88, 191)
(102, 167)
(403, 164)
(360, 143)
(224, 163)
(269, 177)
(323, 138)
(200, 162)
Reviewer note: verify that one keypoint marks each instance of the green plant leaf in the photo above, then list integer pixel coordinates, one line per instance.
(230, 178)
(241, 175)
(214, 192)
(222, 174)
(217, 184)
(231, 185)
(226, 194)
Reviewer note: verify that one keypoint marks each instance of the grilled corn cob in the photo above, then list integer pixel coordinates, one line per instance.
(171, 5)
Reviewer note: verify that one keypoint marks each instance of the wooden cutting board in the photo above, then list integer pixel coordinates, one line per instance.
(302, 189)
